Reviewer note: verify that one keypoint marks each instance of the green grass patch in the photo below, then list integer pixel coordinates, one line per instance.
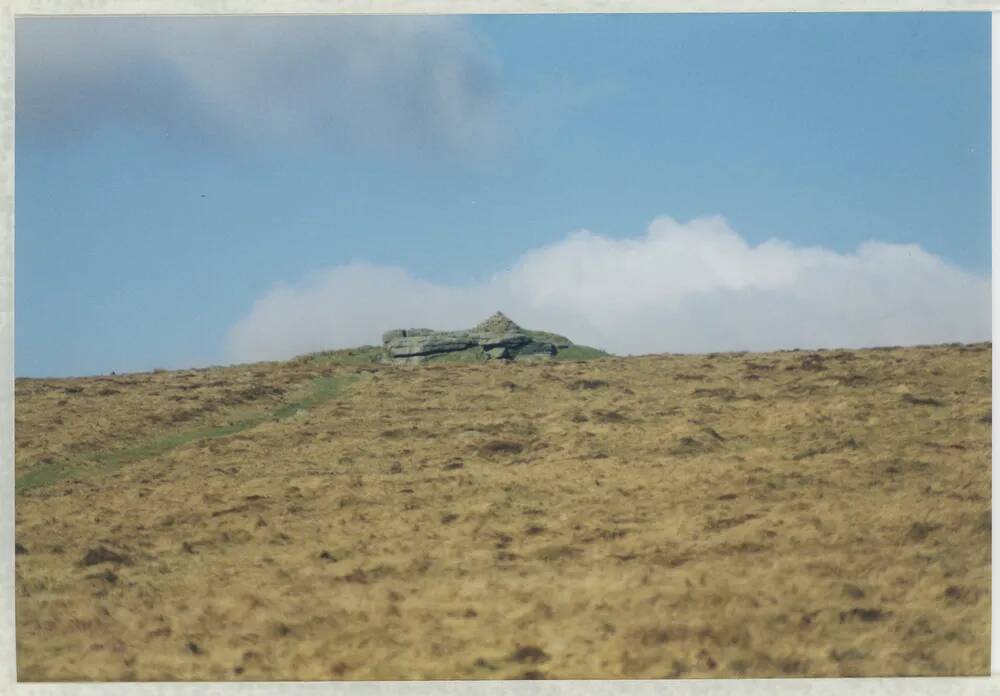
(576, 352)
(549, 337)
(362, 355)
(320, 390)
(43, 474)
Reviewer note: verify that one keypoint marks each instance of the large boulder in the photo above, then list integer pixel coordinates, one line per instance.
(428, 344)
(497, 338)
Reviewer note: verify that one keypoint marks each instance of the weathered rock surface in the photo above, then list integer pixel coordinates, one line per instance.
(497, 338)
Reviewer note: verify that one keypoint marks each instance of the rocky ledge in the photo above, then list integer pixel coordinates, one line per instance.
(497, 338)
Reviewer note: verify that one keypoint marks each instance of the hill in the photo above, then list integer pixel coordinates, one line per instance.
(334, 517)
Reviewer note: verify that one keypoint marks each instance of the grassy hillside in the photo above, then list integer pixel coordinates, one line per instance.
(329, 517)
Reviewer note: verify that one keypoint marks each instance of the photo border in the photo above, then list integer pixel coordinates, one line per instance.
(943, 686)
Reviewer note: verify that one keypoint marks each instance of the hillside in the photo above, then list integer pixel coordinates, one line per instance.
(331, 517)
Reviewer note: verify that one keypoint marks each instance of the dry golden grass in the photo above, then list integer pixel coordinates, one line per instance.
(782, 514)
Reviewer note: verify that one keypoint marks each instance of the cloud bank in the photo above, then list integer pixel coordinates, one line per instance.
(680, 287)
(424, 81)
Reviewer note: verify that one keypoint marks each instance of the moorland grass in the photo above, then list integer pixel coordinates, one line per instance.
(46, 473)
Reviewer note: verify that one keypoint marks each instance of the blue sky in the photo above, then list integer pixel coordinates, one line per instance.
(200, 191)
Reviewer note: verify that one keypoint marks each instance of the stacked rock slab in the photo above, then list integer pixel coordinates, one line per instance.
(497, 338)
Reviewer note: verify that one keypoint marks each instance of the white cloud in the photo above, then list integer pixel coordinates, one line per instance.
(681, 287)
(424, 81)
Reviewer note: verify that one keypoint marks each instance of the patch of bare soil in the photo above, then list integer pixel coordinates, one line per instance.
(782, 514)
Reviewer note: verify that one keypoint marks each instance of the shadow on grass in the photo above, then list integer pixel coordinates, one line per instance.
(46, 473)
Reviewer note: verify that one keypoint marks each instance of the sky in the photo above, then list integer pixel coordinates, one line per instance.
(200, 191)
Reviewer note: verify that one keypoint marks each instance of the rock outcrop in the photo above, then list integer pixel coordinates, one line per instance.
(497, 338)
